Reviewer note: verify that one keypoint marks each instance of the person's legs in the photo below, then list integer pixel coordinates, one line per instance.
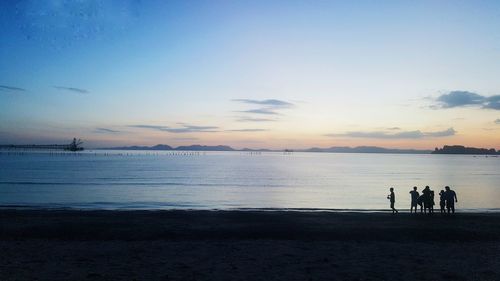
(393, 209)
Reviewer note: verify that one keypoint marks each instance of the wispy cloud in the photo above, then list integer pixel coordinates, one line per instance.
(266, 111)
(183, 129)
(154, 127)
(106, 130)
(192, 129)
(247, 130)
(497, 121)
(269, 102)
(5, 88)
(72, 89)
(493, 102)
(467, 99)
(394, 128)
(269, 106)
(417, 134)
(250, 119)
(445, 133)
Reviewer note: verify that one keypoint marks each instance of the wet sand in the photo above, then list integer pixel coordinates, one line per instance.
(246, 245)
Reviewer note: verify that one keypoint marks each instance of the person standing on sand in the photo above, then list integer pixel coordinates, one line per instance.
(426, 196)
(392, 199)
(450, 198)
(414, 199)
(420, 202)
(432, 202)
(442, 200)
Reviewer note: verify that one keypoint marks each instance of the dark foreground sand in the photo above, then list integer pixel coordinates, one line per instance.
(246, 245)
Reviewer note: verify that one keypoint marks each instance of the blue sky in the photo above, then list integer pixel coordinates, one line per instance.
(251, 73)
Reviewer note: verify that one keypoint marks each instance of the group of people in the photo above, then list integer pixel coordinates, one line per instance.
(447, 200)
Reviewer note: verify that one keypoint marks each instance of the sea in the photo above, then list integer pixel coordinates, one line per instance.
(152, 180)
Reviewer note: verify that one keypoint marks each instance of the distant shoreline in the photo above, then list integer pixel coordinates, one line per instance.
(196, 147)
(248, 151)
(447, 149)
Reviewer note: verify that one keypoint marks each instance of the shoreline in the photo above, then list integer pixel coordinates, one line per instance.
(89, 208)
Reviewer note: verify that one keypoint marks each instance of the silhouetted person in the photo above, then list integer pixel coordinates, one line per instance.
(420, 202)
(432, 202)
(392, 199)
(442, 201)
(414, 199)
(450, 198)
(426, 198)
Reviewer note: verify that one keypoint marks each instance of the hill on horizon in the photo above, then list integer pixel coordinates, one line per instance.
(333, 149)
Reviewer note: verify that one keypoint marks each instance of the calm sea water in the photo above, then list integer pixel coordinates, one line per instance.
(226, 180)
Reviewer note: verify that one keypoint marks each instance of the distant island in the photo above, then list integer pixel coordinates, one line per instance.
(342, 149)
(460, 149)
(195, 147)
(366, 149)
(447, 149)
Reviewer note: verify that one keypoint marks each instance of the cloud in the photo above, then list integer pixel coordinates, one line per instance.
(380, 135)
(250, 119)
(71, 89)
(417, 134)
(106, 130)
(266, 111)
(460, 98)
(184, 129)
(148, 127)
(445, 133)
(185, 139)
(270, 106)
(493, 102)
(270, 102)
(191, 129)
(467, 99)
(497, 121)
(247, 130)
(5, 88)
(394, 128)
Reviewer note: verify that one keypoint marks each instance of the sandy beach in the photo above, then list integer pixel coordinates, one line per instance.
(246, 245)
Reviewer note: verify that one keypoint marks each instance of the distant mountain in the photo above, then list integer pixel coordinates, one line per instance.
(198, 147)
(135, 147)
(366, 149)
(334, 149)
(195, 147)
(460, 149)
(257, 150)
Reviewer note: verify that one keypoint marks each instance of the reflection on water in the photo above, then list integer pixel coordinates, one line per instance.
(221, 180)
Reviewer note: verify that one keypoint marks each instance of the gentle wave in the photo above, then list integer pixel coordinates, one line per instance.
(130, 206)
(134, 184)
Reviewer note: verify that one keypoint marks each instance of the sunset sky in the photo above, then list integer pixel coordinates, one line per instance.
(258, 74)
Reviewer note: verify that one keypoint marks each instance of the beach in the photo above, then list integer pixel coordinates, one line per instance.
(44, 244)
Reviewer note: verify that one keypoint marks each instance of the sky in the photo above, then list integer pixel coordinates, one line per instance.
(257, 74)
